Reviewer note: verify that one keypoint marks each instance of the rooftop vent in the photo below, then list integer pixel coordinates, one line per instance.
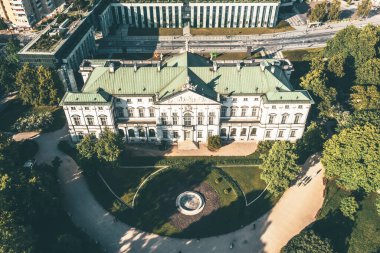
(112, 67)
(238, 66)
(272, 69)
(214, 66)
(135, 67)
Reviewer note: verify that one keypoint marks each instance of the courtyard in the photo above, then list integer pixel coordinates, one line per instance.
(148, 197)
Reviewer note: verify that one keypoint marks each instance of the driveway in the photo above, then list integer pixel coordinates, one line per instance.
(294, 211)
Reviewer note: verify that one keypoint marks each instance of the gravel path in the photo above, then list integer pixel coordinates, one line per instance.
(295, 210)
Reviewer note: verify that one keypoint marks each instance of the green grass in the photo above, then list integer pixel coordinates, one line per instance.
(15, 110)
(155, 203)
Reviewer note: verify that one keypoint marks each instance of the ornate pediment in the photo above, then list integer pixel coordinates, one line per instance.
(187, 97)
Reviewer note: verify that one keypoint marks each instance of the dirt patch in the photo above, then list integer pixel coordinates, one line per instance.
(182, 221)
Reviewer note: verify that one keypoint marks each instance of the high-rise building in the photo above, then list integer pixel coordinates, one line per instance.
(25, 13)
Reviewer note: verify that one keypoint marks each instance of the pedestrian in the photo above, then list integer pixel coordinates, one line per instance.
(254, 226)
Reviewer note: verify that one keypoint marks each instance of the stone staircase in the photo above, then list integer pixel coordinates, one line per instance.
(187, 145)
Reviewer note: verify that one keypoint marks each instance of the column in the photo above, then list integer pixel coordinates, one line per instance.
(266, 16)
(248, 17)
(161, 17)
(253, 18)
(122, 14)
(180, 16)
(116, 10)
(204, 16)
(211, 16)
(149, 16)
(259, 23)
(217, 16)
(242, 14)
(236, 13)
(129, 15)
(173, 16)
(275, 15)
(154, 16)
(192, 18)
(167, 17)
(142, 16)
(223, 15)
(198, 16)
(136, 13)
(229, 21)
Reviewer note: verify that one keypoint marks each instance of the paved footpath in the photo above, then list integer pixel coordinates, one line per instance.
(294, 211)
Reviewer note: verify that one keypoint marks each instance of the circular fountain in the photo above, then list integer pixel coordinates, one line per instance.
(190, 203)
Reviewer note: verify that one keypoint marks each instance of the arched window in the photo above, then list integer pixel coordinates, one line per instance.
(284, 118)
(187, 119)
(121, 132)
(297, 118)
(141, 132)
(233, 132)
(90, 120)
(152, 133)
(131, 132)
(76, 120)
(103, 120)
(271, 118)
(223, 132)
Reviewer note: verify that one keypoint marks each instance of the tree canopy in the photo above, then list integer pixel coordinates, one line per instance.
(352, 158)
(307, 242)
(365, 97)
(9, 65)
(369, 72)
(279, 167)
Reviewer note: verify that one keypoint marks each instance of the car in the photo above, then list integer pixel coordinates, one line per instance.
(29, 164)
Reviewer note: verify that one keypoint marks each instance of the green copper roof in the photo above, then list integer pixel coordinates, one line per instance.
(100, 97)
(187, 67)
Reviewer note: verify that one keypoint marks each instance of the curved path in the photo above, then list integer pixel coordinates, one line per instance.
(294, 211)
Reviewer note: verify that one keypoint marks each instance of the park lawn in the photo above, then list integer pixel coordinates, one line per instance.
(15, 109)
(248, 179)
(237, 31)
(155, 31)
(302, 54)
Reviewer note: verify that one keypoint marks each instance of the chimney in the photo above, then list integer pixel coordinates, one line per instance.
(159, 66)
(112, 67)
(135, 67)
(238, 66)
(214, 66)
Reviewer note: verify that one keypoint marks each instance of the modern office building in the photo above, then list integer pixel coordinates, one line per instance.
(188, 98)
(25, 13)
(201, 14)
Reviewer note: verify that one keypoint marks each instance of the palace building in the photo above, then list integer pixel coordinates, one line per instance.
(188, 98)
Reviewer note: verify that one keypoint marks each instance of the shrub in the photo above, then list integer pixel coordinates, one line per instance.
(282, 24)
(214, 142)
(227, 190)
(34, 122)
(349, 206)
(264, 146)
(308, 242)
(218, 180)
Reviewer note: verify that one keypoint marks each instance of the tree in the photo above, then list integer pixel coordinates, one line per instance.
(109, 146)
(68, 243)
(364, 8)
(214, 142)
(377, 204)
(352, 158)
(369, 72)
(27, 81)
(349, 207)
(86, 147)
(311, 141)
(279, 167)
(318, 14)
(336, 64)
(9, 65)
(307, 242)
(360, 118)
(334, 10)
(365, 97)
(3, 25)
(48, 87)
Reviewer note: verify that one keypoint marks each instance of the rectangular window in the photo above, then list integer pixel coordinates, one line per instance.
(233, 112)
(128, 100)
(243, 132)
(283, 119)
(130, 112)
(293, 133)
(267, 134)
(273, 107)
(141, 112)
(151, 112)
(286, 106)
(300, 107)
(199, 134)
(175, 119)
(281, 133)
(223, 112)
(271, 119)
(73, 108)
(90, 121)
(175, 134)
(76, 121)
(297, 119)
(150, 99)
(103, 121)
(256, 99)
(211, 117)
(117, 100)
(253, 131)
(254, 111)
(200, 118)
(87, 108)
(164, 119)
(209, 133)
(139, 100)
(234, 100)
(100, 108)
(245, 99)
(165, 134)
(243, 112)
